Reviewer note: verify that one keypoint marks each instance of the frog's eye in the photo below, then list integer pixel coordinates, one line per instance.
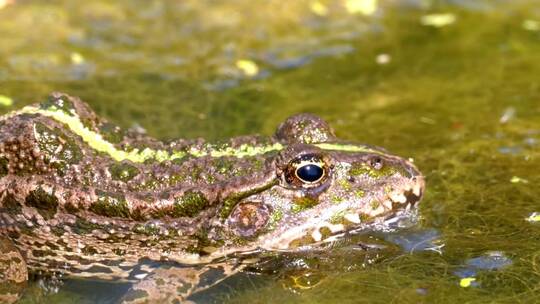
(306, 170)
(310, 173)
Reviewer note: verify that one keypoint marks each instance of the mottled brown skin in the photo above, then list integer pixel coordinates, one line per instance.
(67, 208)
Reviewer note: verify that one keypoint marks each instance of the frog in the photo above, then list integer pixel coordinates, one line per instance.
(83, 198)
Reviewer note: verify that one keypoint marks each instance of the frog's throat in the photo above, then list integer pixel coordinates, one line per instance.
(98, 143)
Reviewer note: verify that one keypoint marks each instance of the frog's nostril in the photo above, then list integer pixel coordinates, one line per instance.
(412, 171)
(376, 163)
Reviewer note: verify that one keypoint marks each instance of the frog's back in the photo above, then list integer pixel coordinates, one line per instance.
(81, 196)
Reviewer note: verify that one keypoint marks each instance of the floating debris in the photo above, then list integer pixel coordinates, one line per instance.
(77, 58)
(318, 8)
(491, 261)
(530, 141)
(438, 20)
(467, 282)
(507, 115)
(515, 150)
(383, 59)
(534, 217)
(6, 101)
(427, 120)
(248, 67)
(531, 25)
(366, 7)
(517, 179)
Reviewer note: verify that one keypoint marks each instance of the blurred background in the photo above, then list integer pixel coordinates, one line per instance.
(454, 84)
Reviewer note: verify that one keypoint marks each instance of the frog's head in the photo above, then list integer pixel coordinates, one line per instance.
(321, 186)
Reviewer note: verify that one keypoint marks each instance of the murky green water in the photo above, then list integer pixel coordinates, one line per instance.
(458, 91)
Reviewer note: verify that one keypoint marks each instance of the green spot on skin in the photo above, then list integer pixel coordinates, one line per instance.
(196, 173)
(111, 132)
(375, 204)
(276, 216)
(146, 229)
(58, 104)
(345, 184)
(364, 169)
(183, 288)
(302, 241)
(337, 199)
(89, 250)
(338, 218)
(111, 205)
(71, 208)
(123, 172)
(45, 203)
(190, 204)
(364, 217)
(135, 295)
(58, 148)
(57, 231)
(223, 166)
(11, 205)
(325, 232)
(303, 203)
(3, 166)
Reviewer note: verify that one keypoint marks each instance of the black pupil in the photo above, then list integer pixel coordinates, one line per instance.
(310, 173)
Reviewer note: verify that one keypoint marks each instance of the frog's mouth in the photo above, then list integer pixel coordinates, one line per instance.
(395, 206)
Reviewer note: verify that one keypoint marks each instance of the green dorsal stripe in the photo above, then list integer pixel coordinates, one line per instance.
(347, 148)
(98, 143)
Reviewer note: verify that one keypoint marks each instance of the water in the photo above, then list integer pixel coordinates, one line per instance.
(453, 84)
